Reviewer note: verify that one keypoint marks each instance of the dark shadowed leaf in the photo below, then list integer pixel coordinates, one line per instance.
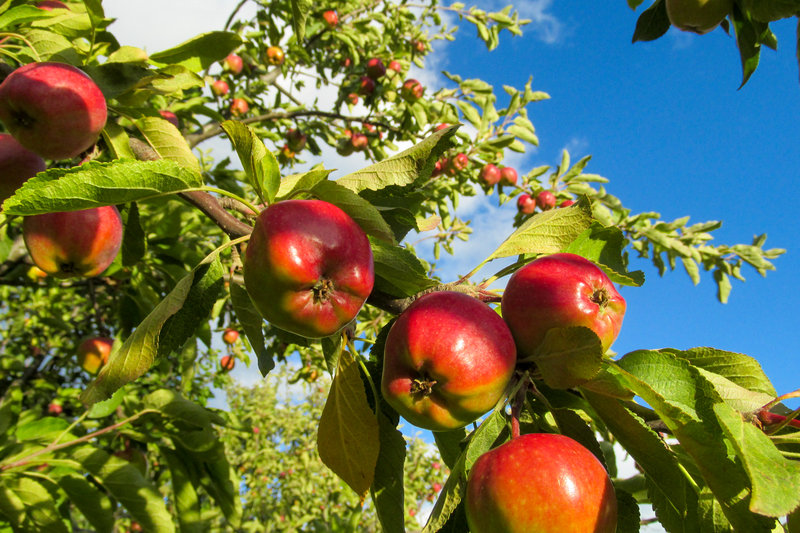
(387, 487)
(252, 323)
(568, 357)
(652, 23)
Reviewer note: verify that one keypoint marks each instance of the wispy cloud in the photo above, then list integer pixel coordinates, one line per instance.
(547, 26)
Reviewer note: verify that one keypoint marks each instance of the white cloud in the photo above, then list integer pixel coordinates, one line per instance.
(547, 26)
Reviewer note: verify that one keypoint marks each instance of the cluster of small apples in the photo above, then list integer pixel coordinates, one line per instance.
(233, 65)
(698, 16)
(352, 141)
(491, 175)
(230, 337)
(448, 360)
(545, 201)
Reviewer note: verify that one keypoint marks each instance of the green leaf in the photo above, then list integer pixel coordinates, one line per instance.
(222, 484)
(187, 503)
(172, 79)
(360, 210)
(128, 54)
(176, 408)
(139, 352)
(571, 425)
(117, 140)
(776, 480)
(741, 369)
(524, 134)
(39, 505)
(167, 141)
(95, 506)
(771, 10)
(200, 52)
(134, 243)
(22, 15)
(252, 323)
(348, 438)
(723, 286)
(568, 357)
(627, 512)
(44, 430)
(97, 184)
(12, 508)
(53, 47)
(470, 113)
(398, 271)
(114, 79)
(108, 407)
(331, 350)
(604, 246)
(298, 182)
(652, 23)
(387, 487)
(405, 168)
(449, 444)
(748, 40)
(260, 166)
(300, 9)
(547, 232)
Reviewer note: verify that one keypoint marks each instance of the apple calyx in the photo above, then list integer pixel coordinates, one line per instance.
(322, 290)
(423, 386)
(600, 297)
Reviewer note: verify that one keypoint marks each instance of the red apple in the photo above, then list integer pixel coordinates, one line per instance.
(169, 116)
(375, 68)
(239, 107)
(296, 140)
(36, 274)
(256, 430)
(490, 175)
(275, 55)
(136, 527)
(546, 200)
(49, 5)
(53, 109)
(508, 176)
(412, 90)
(542, 483)
(346, 62)
(526, 204)
(560, 291)
(230, 336)
(395, 66)
(419, 46)
(436, 466)
(308, 267)
(227, 363)
(55, 409)
(359, 141)
(447, 361)
(366, 86)
(437, 487)
(441, 127)
(17, 165)
(412, 512)
(566, 203)
(74, 243)
(286, 153)
(220, 88)
(352, 98)
(459, 162)
(438, 167)
(233, 64)
(331, 19)
(93, 353)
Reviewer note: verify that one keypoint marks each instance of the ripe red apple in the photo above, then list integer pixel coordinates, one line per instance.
(93, 353)
(55, 408)
(447, 361)
(441, 127)
(395, 66)
(230, 336)
(559, 291)
(227, 362)
(74, 243)
(490, 175)
(375, 68)
(526, 204)
(239, 107)
(546, 200)
(275, 55)
(438, 167)
(412, 90)
(698, 16)
(17, 165)
(542, 483)
(566, 203)
(233, 64)
(220, 88)
(346, 62)
(53, 109)
(366, 86)
(331, 19)
(508, 176)
(437, 487)
(49, 5)
(169, 116)
(296, 140)
(359, 141)
(460, 162)
(352, 98)
(256, 430)
(419, 46)
(136, 527)
(412, 512)
(308, 267)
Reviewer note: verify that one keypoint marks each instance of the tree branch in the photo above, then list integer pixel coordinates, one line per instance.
(396, 306)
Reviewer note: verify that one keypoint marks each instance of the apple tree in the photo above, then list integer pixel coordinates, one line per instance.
(123, 438)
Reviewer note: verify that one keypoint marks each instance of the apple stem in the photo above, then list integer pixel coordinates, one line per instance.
(516, 409)
(779, 421)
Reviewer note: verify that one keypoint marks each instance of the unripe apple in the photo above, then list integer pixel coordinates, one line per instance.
(566, 203)
(227, 362)
(308, 267)
(136, 457)
(230, 336)
(560, 291)
(93, 353)
(331, 19)
(395, 66)
(220, 88)
(375, 68)
(508, 176)
(169, 116)
(239, 107)
(49, 5)
(275, 55)
(74, 243)
(17, 165)
(55, 408)
(366, 86)
(359, 141)
(412, 90)
(698, 16)
(53, 109)
(546, 200)
(233, 64)
(490, 175)
(526, 204)
(296, 140)
(447, 361)
(542, 483)
(352, 98)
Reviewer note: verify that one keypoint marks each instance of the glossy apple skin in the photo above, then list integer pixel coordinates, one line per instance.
(526, 204)
(366, 86)
(170, 117)
(233, 64)
(508, 176)
(545, 200)
(93, 353)
(49, 5)
(230, 336)
(239, 107)
(490, 174)
(375, 68)
(560, 291)
(566, 203)
(74, 243)
(275, 55)
(395, 66)
(227, 363)
(540, 483)
(17, 165)
(459, 343)
(412, 90)
(52, 109)
(331, 19)
(698, 16)
(220, 88)
(308, 267)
